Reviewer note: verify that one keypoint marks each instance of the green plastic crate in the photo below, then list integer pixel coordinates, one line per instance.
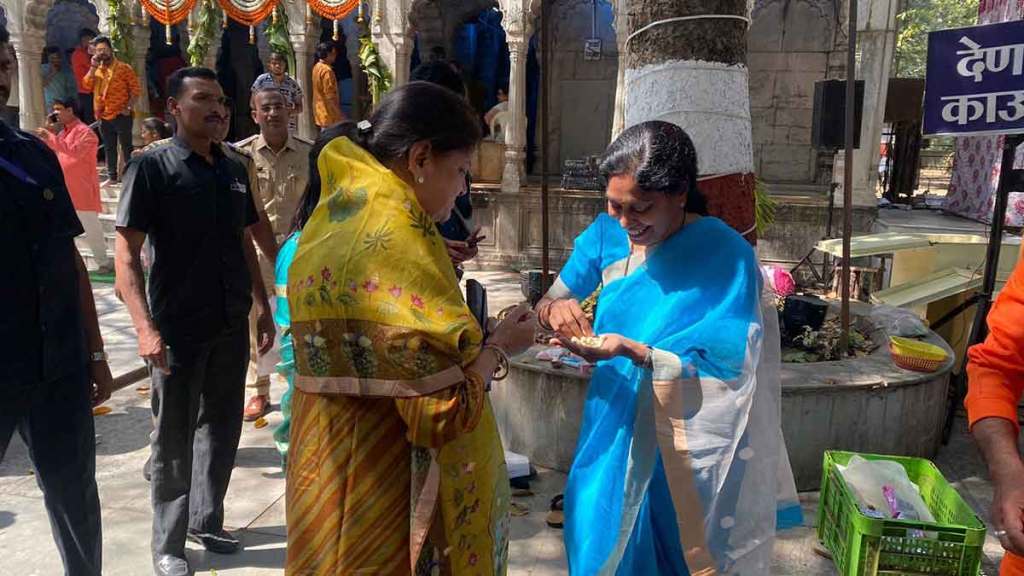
(864, 546)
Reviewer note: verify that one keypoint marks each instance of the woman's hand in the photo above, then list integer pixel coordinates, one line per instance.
(565, 317)
(516, 332)
(611, 346)
(460, 252)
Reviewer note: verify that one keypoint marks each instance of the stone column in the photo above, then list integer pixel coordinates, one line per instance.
(28, 48)
(515, 132)
(621, 33)
(141, 104)
(390, 31)
(303, 73)
(210, 60)
(876, 42)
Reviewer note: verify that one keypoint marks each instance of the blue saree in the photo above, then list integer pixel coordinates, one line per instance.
(282, 319)
(678, 467)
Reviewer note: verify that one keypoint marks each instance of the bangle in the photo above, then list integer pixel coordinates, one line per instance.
(648, 361)
(503, 366)
(546, 311)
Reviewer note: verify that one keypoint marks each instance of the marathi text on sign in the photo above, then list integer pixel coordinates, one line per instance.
(975, 80)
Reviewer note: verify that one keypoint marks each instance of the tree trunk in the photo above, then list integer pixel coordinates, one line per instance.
(693, 73)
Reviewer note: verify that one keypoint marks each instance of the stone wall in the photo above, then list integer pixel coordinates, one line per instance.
(791, 45)
(512, 224)
(583, 99)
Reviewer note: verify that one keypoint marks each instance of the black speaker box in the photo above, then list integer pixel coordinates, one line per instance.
(829, 123)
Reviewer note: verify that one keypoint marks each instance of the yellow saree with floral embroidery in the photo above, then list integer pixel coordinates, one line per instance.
(396, 466)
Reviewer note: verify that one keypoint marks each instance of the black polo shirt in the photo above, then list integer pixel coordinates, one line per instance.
(41, 334)
(195, 214)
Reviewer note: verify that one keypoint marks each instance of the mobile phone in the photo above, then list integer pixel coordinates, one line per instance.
(476, 300)
(52, 117)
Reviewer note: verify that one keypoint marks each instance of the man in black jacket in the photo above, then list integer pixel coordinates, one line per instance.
(54, 368)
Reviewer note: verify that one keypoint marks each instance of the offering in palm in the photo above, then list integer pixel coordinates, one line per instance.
(588, 341)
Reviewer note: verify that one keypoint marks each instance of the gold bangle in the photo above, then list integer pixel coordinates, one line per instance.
(501, 372)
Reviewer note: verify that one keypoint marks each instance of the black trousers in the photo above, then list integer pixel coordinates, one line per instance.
(55, 421)
(115, 132)
(197, 412)
(85, 108)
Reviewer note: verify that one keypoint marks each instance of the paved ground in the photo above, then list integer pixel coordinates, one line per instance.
(255, 504)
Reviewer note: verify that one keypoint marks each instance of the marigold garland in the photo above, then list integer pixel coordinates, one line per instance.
(333, 9)
(168, 12)
(248, 12)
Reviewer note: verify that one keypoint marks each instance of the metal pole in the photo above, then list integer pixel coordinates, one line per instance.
(1008, 178)
(545, 81)
(979, 328)
(851, 95)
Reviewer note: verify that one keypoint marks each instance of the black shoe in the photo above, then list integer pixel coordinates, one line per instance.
(147, 469)
(168, 565)
(219, 542)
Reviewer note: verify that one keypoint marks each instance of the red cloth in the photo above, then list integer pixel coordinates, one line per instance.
(731, 198)
(80, 67)
(76, 147)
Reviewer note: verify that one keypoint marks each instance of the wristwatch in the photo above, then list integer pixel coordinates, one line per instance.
(100, 356)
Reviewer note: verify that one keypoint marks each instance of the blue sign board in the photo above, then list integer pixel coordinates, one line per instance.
(975, 80)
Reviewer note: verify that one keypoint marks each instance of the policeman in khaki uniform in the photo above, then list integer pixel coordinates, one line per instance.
(281, 164)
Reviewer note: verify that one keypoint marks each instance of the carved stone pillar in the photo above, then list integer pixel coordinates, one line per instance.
(390, 31)
(28, 48)
(303, 73)
(515, 132)
(210, 60)
(141, 105)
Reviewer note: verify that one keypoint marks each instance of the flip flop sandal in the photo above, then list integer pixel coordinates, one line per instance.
(556, 517)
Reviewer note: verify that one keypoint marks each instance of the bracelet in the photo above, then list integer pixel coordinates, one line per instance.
(541, 321)
(648, 361)
(501, 372)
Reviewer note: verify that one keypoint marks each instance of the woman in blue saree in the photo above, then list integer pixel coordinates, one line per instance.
(680, 459)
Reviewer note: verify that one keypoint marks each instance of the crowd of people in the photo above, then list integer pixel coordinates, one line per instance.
(336, 265)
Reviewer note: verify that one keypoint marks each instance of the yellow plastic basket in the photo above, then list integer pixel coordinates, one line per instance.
(916, 355)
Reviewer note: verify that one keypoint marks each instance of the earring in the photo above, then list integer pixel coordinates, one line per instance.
(420, 180)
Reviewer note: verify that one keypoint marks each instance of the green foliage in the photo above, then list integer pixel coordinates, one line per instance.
(210, 16)
(121, 36)
(764, 207)
(377, 74)
(823, 345)
(918, 19)
(277, 37)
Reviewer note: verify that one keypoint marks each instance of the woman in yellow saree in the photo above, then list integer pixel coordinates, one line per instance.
(395, 464)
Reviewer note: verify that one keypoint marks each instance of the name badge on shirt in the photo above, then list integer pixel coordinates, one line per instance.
(239, 187)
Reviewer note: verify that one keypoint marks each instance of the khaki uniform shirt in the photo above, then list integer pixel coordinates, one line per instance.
(280, 178)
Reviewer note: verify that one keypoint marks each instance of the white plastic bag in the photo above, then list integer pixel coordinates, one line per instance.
(899, 321)
(871, 480)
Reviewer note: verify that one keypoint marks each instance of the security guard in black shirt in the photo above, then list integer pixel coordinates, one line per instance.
(52, 365)
(191, 199)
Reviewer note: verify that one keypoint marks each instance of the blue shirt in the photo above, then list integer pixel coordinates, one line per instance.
(41, 332)
(61, 87)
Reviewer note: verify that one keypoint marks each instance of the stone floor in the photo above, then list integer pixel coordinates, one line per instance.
(255, 503)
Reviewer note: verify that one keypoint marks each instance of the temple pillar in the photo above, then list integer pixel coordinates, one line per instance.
(28, 49)
(517, 37)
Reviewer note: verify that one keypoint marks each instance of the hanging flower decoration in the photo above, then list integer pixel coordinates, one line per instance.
(335, 10)
(248, 12)
(168, 12)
